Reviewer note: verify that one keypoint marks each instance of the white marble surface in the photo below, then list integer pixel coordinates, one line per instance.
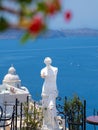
(49, 94)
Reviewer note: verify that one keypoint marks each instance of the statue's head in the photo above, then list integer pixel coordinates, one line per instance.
(47, 60)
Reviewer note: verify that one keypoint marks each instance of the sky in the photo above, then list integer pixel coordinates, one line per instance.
(84, 12)
(84, 15)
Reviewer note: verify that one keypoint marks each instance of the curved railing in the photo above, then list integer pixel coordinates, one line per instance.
(6, 121)
(71, 117)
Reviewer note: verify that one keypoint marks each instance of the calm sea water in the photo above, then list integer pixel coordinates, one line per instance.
(75, 57)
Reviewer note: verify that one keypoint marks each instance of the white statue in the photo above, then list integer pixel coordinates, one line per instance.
(49, 94)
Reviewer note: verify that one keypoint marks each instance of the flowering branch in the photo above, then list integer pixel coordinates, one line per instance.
(34, 22)
(32, 15)
(2, 8)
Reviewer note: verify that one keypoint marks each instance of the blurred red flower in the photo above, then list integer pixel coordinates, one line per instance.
(68, 16)
(36, 25)
(53, 7)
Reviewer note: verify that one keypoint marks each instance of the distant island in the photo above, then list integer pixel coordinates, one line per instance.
(14, 34)
(71, 32)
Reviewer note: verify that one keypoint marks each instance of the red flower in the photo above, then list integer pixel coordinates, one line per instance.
(52, 7)
(36, 25)
(57, 4)
(68, 16)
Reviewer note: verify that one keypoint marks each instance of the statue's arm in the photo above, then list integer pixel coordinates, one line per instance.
(56, 70)
(43, 73)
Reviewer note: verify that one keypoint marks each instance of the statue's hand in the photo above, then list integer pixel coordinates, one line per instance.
(43, 75)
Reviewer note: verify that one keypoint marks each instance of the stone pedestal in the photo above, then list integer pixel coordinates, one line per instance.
(44, 127)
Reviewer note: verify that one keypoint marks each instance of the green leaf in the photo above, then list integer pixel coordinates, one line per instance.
(25, 37)
(3, 24)
(25, 1)
(41, 6)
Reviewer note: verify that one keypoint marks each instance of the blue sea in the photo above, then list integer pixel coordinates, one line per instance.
(75, 57)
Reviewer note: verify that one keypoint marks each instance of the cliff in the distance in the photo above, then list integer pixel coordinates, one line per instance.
(14, 34)
(73, 32)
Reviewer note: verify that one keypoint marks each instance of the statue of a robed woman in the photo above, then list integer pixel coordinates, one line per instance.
(49, 94)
